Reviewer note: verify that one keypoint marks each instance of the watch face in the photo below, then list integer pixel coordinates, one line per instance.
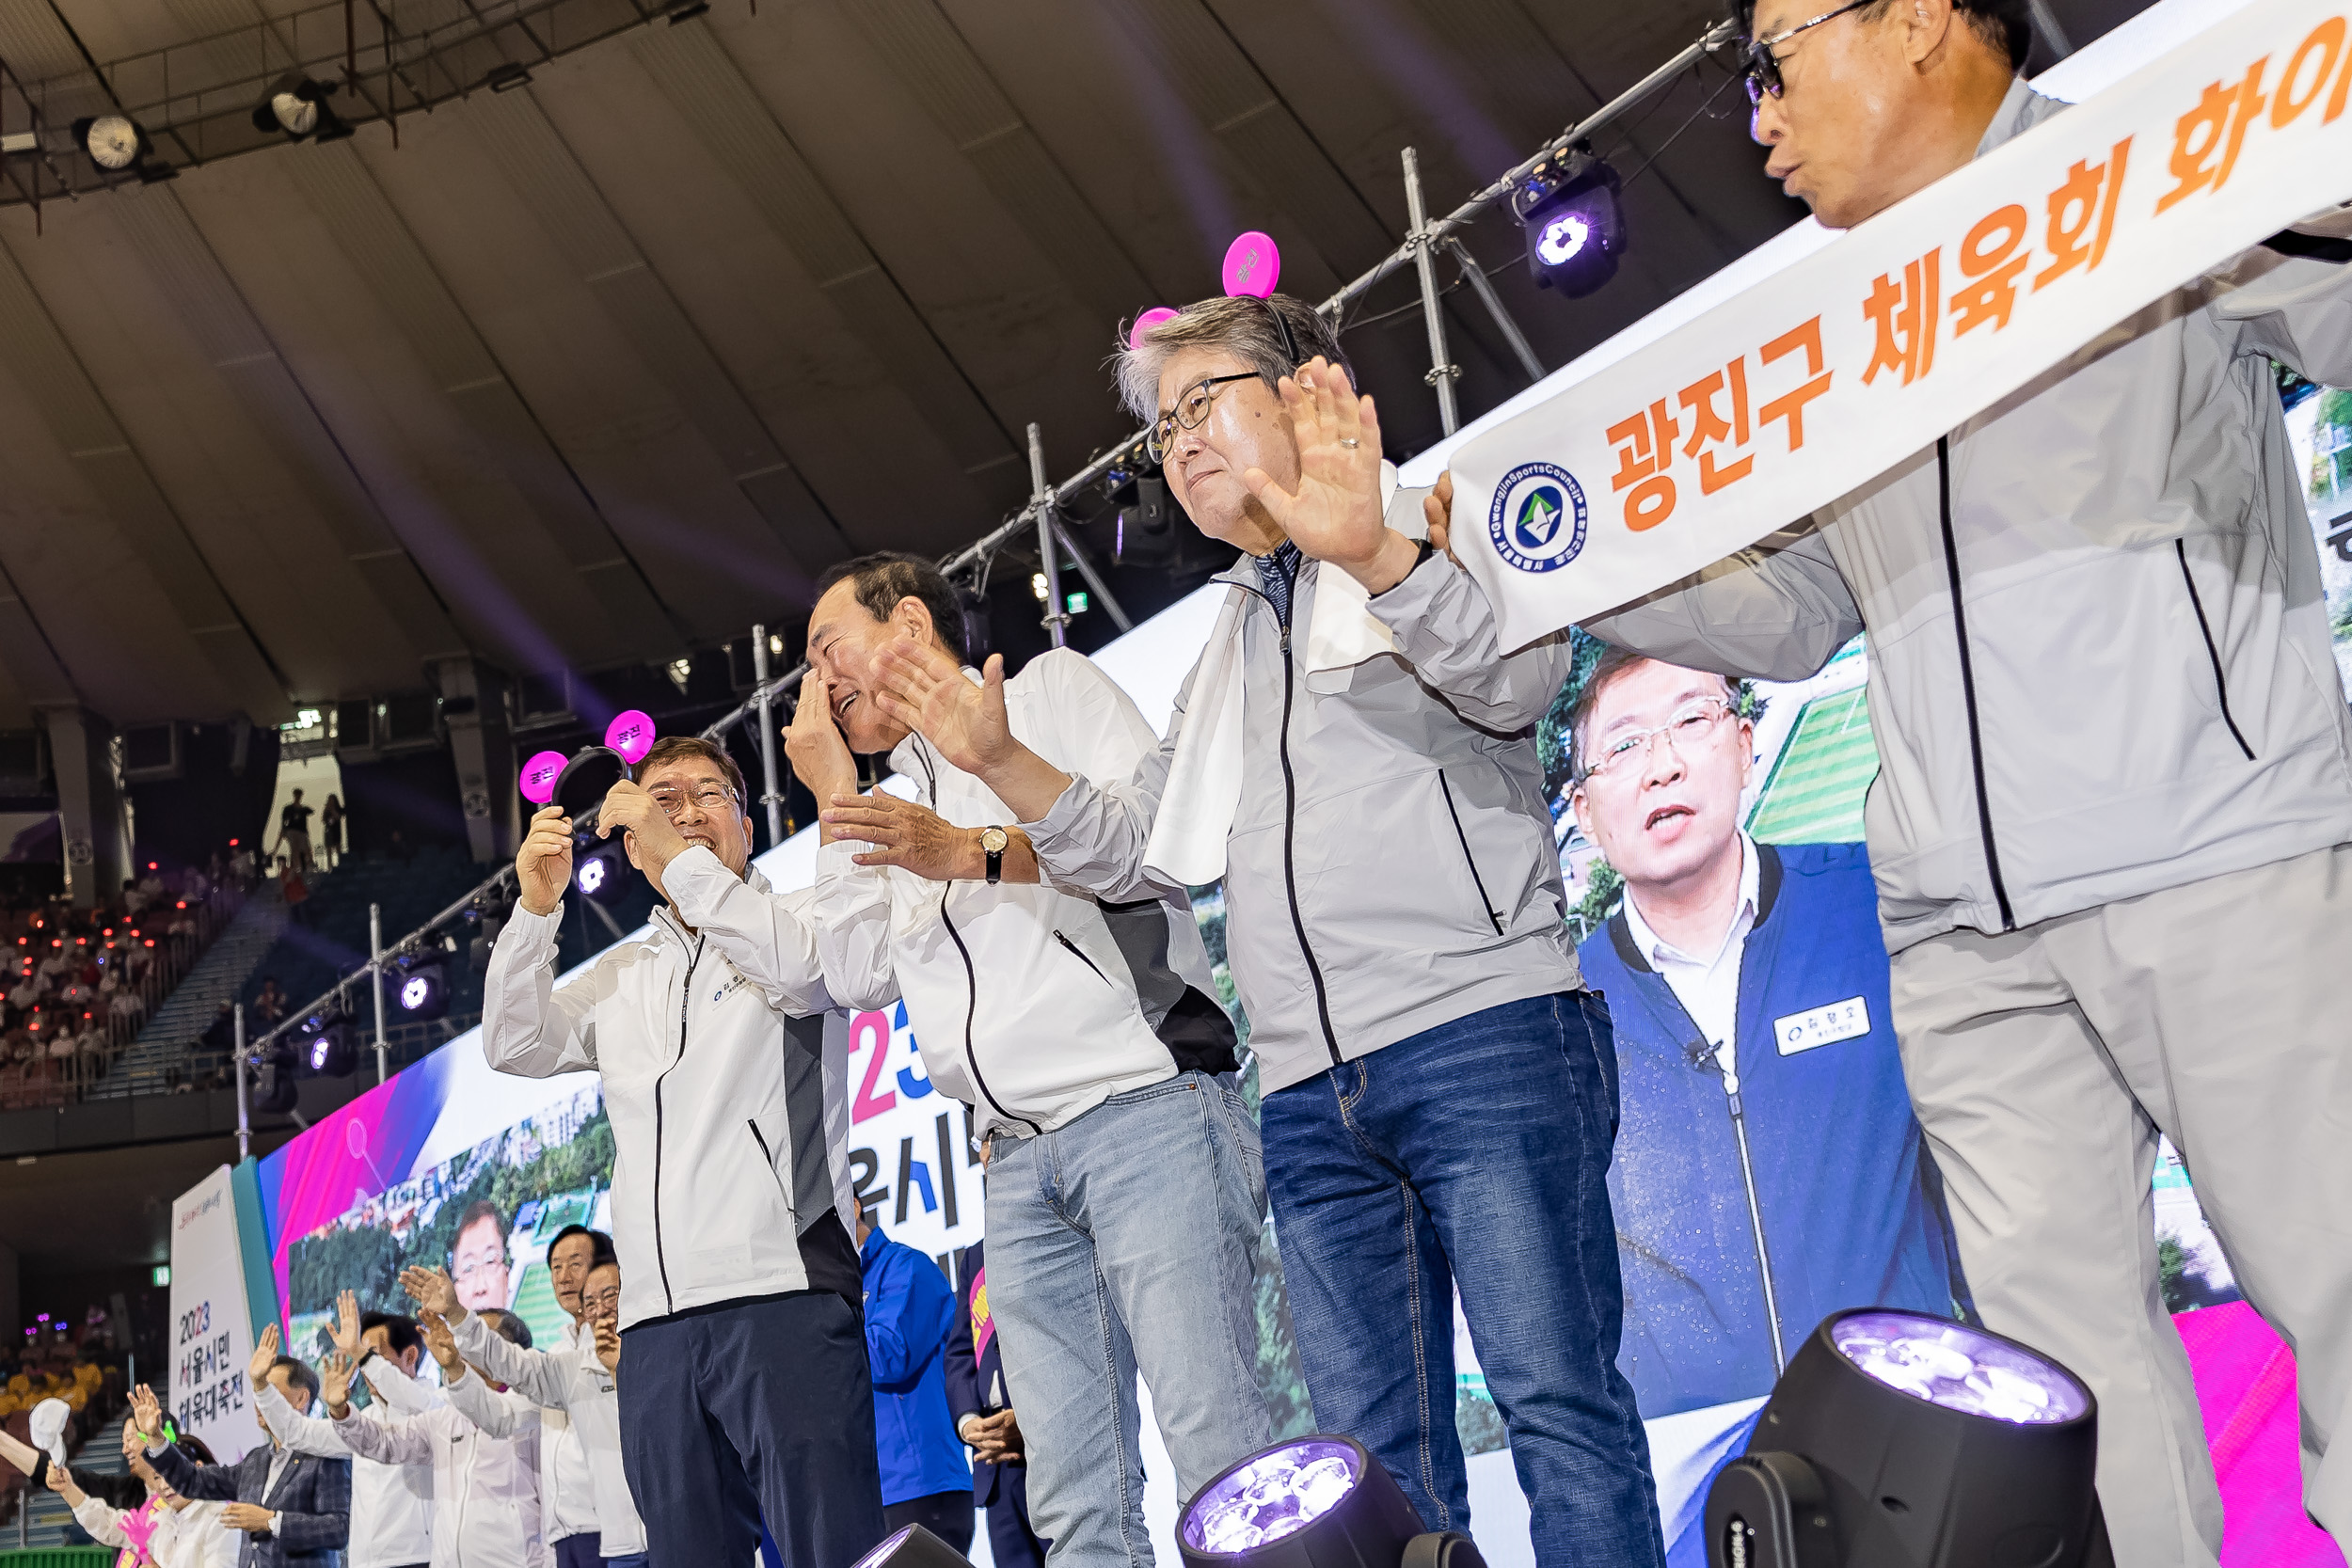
(993, 840)
(113, 142)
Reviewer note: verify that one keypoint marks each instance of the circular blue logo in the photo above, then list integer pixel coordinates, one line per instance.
(1536, 520)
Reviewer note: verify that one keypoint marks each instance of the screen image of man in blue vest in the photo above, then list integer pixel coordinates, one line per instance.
(1769, 1170)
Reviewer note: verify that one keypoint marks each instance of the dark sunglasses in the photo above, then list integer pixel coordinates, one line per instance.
(1763, 70)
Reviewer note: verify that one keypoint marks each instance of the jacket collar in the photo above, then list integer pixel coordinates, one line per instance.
(875, 1241)
(1768, 878)
(2021, 110)
(665, 924)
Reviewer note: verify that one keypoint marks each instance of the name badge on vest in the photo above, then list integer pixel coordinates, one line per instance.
(1839, 1020)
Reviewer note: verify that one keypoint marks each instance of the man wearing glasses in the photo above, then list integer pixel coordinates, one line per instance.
(1769, 1169)
(2112, 826)
(1351, 755)
(744, 1390)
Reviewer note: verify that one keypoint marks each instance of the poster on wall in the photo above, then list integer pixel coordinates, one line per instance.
(212, 1330)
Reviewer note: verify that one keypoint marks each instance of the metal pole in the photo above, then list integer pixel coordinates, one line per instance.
(244, 1120)
(375, 982)
(1041, 504)
(1485, 290)
(1094, 578)
(772, 797)
(1443, 370)
(2046, 21)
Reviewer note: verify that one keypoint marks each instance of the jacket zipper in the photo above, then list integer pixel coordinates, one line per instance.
(686, 997)
(1968, 680)
(1080, 956)
(763, 1154)
(1468, 858)
(2221, 682)
(1290, 838)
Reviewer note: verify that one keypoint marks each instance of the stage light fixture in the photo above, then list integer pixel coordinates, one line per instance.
(506, 78)
(1313, 1502)
(1901, 1441)
(912, 1546)
(1575, 224)
(603, 872)
(421, 990)
(113, 142)
(296, 107)
(323, 1047)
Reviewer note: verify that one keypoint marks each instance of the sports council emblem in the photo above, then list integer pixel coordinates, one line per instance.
(1536, 520)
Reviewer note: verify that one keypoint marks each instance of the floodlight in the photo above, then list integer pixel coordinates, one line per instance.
(912, 1546)
(420, 988)
(297, 107)
(1575, 227)
(1901, 1441)
(1313, 1502)
(323, 1047)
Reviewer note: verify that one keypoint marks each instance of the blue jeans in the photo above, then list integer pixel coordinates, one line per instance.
(1473, 1154)
(1126, 1240)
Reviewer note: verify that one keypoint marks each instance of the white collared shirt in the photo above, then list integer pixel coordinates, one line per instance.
(1706, 986)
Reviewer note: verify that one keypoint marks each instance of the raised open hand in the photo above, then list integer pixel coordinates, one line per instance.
(1334, 515)
(265, 1356)
(442, 1343)
(926, 691)
(344, 1331)
(812, 743)
(147, 1413)
(335, 1381)
(433, 1290)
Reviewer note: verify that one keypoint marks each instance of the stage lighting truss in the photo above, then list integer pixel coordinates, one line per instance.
(1574, 221)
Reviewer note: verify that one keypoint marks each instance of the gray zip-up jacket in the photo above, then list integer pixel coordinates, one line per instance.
(2103, 667)
(1391, 866)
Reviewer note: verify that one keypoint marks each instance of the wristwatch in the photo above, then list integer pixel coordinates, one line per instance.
(993, 842)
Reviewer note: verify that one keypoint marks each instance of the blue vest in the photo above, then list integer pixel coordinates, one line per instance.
(1851, 1212)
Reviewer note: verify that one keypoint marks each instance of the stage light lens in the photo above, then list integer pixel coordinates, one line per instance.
(297, 117)
(318, 1054)
(1270, 1498)
(591, 873)
(890, 1543)
(415, 992)
(1954, 1366)
(1562, 237)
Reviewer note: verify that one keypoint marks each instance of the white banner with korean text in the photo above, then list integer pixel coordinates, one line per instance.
(1763, 410)
(212, 1330)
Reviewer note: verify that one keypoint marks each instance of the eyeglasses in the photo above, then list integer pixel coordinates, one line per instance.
(707, 797)
(598, 1303)
(1191, 408)
(1764, 66)
(1694, 724)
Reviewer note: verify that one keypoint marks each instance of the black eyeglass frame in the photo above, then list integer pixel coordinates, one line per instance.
(1763, 71)
(1163, 432)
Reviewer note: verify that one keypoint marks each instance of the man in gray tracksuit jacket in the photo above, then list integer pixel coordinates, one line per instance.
(2111, 818)
(1352, 755)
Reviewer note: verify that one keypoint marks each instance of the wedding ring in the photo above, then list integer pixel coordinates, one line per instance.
(1349, 441)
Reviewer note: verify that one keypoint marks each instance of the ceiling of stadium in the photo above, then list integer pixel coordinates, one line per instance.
(608, 366)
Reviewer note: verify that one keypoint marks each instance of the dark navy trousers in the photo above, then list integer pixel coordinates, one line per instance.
(752, 1408)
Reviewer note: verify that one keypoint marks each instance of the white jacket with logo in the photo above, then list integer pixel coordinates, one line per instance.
(571, 1386)
(726, 1121)
(1032, 1002)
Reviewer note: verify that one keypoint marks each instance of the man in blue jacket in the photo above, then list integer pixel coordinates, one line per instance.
(909, 1306)
(1769, 1170)
(978, 1398)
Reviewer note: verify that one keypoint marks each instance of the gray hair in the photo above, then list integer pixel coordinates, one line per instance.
(1243, 326)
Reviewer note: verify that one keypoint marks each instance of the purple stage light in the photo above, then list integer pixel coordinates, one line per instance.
(415, 992)
(631, 734)
(1253, 265)
(1955, 1366)
(592, 875)
(890, 1543)
(1146, 321)
(1273, 1495)
(539, 775)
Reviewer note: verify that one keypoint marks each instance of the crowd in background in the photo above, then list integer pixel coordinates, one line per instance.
(78, 984)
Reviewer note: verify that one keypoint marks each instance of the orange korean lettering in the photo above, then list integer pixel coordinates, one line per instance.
(1904, 315)
(1710, 429)
(1791, 406)
(2206, 140)
(1644, 444)
(2326, 45)
(2082, 215)
(1994, 255)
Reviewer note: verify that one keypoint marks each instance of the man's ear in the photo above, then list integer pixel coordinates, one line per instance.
(911, 616)
(628, 847)
(1926, 24)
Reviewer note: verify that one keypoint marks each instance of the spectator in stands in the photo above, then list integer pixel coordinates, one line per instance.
(293, 833)
(478, 1257)
(28, 989)
(331, 832)
(295, 1509)
(579, 1403)
(271, 1004)
(167, 1529)
(909, 1307)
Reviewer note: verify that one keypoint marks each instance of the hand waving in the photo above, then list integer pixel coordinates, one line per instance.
(433, 1290)
(1334, 515)
(335, 1381)
(442, 1343)
(344, 1331)
(147, 1413)
(265, 1356)
(926, 691)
